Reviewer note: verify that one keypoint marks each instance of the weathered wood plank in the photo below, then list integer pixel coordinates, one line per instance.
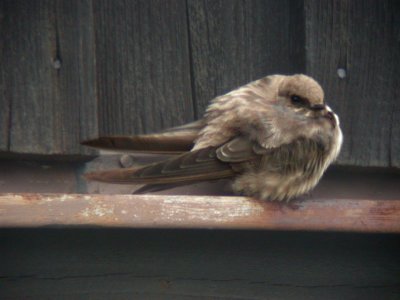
(234, 42)
(361, 38)
(143, 74)
(47, 66)
(5, 99)
(151, 211)
(78, 83)
(197, 264)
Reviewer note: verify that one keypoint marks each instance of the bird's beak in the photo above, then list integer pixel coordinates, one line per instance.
(330, 115)
(318, 107)
(325, 112)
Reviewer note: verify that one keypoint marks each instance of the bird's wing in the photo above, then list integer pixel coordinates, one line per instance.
(171, 141)
(204, 164)
(239, 149)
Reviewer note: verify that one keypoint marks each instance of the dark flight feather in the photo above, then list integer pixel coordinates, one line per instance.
(171, 141)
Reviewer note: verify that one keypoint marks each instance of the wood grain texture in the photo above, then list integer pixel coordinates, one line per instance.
(47, 76)
(360, 37)
(235, 42)
(5, 97)
(143, 72)
(154, 211)
(73, 70)
(197, 264)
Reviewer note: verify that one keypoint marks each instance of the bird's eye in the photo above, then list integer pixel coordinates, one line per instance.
(296, 99)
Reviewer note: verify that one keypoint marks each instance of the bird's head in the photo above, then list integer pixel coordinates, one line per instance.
(304, 97)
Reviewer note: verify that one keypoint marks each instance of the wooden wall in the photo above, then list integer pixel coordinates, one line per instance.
(362, 38)
(72, 70)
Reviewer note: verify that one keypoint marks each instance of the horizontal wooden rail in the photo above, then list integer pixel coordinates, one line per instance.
(166, 211)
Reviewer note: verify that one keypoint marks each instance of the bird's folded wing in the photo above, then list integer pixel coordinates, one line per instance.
(238, 150)
(192, 166)
(204, 164)
(171, 141)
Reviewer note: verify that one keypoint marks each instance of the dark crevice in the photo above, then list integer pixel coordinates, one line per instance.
(297, 39)
(390, 162)
(9, 125)
(57, 61)
(174, 279)
(191, 65)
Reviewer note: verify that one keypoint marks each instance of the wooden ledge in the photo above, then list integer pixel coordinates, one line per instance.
(166, 211)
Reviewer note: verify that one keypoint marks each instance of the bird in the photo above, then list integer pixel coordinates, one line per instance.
(273, 137)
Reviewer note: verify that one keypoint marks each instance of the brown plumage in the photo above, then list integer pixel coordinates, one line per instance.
(274, 137)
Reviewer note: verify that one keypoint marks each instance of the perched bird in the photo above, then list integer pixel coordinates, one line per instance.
(274, 137)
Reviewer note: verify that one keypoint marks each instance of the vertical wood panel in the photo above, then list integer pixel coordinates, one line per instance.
(48, 69)
(4, 96)
(143, 67)
(395, 90)
(361, 37)
(234, 42)
(78, 97)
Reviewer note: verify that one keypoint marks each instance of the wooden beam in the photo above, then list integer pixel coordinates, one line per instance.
(162, 211)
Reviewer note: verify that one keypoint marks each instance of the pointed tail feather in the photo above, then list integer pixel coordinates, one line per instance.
(172, 141)
(143, 143)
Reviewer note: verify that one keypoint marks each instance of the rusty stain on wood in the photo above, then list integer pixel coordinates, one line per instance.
(166, 211)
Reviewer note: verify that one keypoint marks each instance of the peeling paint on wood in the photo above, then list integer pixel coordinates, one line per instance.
(177, 207)
(165, 211)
